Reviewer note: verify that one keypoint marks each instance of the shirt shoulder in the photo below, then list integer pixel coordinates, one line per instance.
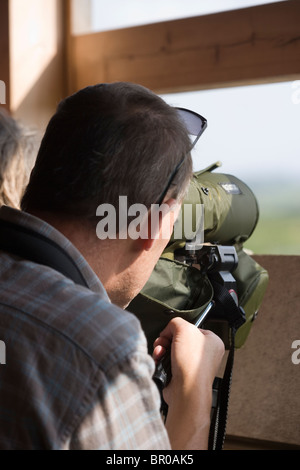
(43, 298)
(64, 344)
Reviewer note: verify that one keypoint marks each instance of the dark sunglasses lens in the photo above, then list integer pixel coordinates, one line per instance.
(194, 123)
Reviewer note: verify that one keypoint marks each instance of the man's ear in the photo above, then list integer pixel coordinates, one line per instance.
(160, 223)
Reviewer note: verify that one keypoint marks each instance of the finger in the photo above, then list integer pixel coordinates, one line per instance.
(162, 341)
(211, 336)
(206, 332)
(158, 353)
(173, 327)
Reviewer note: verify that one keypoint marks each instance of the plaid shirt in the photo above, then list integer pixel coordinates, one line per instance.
(77, 373)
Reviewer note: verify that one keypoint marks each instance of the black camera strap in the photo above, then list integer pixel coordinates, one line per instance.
(33, 246)
(235, 315)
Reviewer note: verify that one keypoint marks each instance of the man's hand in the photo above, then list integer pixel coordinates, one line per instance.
(196, 356)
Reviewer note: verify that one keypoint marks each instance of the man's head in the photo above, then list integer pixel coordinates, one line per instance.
(107, 141)
(104, 142)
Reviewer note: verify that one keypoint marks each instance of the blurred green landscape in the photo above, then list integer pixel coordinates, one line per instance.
(278, 229)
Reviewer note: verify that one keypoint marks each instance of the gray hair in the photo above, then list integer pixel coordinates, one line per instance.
(17, 150)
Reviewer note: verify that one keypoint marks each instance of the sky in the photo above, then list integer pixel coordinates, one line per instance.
(121, 14)
(254, 130)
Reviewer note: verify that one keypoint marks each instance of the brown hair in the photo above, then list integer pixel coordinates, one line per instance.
(106, 141)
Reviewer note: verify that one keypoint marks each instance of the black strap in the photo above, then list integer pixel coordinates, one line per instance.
(221, 391)
(235, 315)
(225, 306)
(35, 247)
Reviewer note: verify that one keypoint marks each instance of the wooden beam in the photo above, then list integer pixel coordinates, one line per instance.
(4, 54)
(251, 45)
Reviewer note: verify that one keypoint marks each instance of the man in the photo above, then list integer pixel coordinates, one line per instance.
(78, 375)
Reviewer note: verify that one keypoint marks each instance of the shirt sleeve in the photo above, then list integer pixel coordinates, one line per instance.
(126, 412)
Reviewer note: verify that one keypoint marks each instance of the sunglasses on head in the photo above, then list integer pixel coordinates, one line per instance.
(196, 125)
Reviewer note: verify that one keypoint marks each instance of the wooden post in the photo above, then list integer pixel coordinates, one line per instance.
(32, 58)
(252, 45)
